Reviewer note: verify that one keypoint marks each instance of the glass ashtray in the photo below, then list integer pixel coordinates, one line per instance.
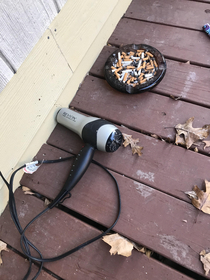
(135, 68)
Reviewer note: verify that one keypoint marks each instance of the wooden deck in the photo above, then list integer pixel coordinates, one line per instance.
(156, 212)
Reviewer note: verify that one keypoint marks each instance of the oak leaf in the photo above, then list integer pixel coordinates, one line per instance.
(26, 190)
(3, 246)
(128, 140)
(180, 140)
(201, 199)
(119, 245)
(191, 134)
(205, 259)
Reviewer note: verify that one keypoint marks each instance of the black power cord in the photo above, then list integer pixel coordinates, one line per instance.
(26, 244)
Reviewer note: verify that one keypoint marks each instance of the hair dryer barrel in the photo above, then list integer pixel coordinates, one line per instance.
(73, 120)
(99, 133)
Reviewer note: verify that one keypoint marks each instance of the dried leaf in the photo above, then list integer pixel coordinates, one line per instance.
(196, 150)
(46, 201)
(191, 194)
(3, 246)
(201, 199)
(26, 190)
(119, 245)
(175, 98)
(205, 259)
(154, 136)
(192, 134)
(179, 140)
(133, 143)
(207, 144)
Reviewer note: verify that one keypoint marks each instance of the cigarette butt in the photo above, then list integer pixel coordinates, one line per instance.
(127, 59)
(117, 75)
(132, 53)
(155, 63)
(152, 64)
(148, 53)
(144, 64)
(123, 53)
(150, 67)
(117, 65)
(143, 81)
(112, 67)
(130, 67)
(140, 51)
(120, 62)
(145, 58)
(128, 82)
(125, 77)
(117, 70)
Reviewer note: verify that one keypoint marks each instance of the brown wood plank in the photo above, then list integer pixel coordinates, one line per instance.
(158, 221)
(163, 166)
(187, 14)
(57, 231)
(15, 267)
(149, 112)
(177, 43)
(188, 82)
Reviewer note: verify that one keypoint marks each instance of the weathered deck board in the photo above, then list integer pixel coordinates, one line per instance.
(177, 43)
(57, 231)
(149, 112)
(189, 82)
(187, 14)
(15, 267)
(148, 217)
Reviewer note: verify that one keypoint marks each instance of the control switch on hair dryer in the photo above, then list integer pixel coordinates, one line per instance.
(96, 133)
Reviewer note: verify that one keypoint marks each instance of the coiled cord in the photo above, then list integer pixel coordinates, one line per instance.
(26, 244)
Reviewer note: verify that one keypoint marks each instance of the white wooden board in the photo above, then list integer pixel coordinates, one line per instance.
(75, 33)
(5, 74)
(61, 3)
(25, 103)
(22, 25)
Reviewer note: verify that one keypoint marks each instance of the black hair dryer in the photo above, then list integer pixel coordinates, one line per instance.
(96, 133)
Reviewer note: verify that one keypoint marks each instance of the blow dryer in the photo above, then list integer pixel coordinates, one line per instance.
(96, 134)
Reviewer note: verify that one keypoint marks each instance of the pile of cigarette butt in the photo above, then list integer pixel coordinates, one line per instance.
(135, 68)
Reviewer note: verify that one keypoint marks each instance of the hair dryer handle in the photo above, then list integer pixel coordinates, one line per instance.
(79, 167)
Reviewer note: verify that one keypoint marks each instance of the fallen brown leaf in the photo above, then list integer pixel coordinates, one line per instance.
(207, 144)
(179, 140)
(175, 98)
(128, 140)
(205, 259)
(201, 199)
(119, 245)
(191, 134)
(122, 246)
(26, 190)
(46, 201)
(154, 136)
(3, 247)
(196, 149)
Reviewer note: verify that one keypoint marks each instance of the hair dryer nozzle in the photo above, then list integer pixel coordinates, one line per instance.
(114, 141)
